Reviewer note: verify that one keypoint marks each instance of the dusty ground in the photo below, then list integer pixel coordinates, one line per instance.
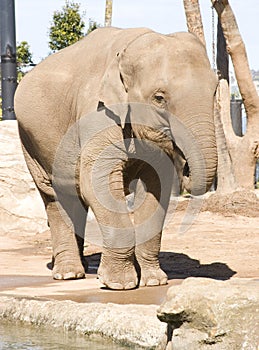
(215, 246)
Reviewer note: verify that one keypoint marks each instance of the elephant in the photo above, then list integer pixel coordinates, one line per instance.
(119, 111)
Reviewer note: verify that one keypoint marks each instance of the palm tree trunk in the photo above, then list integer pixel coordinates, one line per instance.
(193, 18)
(108, 13)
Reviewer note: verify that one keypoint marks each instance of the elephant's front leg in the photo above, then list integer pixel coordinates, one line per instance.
(101, 183)
(151, 203)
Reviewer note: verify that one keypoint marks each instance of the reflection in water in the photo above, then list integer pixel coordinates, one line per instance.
(19, 336)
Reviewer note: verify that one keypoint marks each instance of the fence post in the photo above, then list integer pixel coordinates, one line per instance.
(236, 116)
(8, 58)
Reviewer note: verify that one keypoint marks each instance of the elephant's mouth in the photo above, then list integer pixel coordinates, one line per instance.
(186, 176)
(186, 170)
(182, 167)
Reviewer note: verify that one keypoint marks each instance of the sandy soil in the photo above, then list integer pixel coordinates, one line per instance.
(205, 244)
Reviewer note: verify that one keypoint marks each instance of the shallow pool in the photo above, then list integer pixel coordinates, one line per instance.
(25, 337)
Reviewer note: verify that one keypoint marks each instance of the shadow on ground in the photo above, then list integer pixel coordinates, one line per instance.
(178, 266)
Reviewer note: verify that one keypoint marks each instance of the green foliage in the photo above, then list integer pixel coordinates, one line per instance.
(92, 26)
(23, 58)
(67, 27)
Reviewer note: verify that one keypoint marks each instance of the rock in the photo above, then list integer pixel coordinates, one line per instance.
(133, 325)
(21, 208)
(208, 314)
(242, 202)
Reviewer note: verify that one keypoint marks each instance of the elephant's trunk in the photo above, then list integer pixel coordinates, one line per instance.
(199, 148)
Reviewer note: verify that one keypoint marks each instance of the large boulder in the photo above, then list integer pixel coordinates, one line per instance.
(21, 208)
(208, 314)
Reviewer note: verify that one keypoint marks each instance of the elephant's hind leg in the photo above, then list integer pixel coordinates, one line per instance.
(66, 254)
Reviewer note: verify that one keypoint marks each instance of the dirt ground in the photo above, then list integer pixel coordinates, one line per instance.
(196, 243)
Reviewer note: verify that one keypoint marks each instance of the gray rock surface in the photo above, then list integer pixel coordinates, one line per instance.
(134, 325)
(209, 314)
(21, 207)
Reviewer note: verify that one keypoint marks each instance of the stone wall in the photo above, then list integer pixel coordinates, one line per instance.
(21, 208)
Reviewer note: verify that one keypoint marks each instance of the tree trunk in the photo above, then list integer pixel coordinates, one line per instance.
(237, 155)
(243, 151)
(108, 13)
(226, 181)
(193, 18)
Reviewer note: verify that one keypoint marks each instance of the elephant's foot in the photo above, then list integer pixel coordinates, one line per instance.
(147, 257)
(117, 269)
(152, 277)
(67, 269)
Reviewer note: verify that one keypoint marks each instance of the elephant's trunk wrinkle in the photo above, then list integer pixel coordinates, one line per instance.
(158, 138)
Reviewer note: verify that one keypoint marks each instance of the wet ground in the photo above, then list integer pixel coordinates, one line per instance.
(27, 284)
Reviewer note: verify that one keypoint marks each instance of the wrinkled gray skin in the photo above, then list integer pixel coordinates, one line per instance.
(164, 87)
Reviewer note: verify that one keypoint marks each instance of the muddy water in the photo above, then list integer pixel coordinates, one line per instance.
(17, 336)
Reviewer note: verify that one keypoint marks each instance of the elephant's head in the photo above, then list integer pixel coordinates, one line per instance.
(171, 77)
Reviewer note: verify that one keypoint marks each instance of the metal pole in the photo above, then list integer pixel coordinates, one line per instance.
(222, 54)
(8, 58)
(236, 116)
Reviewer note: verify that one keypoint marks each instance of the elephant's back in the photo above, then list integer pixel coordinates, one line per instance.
(75, 68)
(91, 54)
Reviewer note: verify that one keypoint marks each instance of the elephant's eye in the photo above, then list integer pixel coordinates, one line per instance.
(159, 99)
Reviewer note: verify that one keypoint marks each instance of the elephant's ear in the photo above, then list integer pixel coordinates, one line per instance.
(113, 93)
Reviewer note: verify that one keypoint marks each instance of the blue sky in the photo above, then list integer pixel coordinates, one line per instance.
(33, 20)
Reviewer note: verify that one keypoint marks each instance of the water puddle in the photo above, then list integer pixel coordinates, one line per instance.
(18, 336)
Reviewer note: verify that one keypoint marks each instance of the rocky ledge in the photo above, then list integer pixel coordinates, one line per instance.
(134, 325)
(208, 314)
